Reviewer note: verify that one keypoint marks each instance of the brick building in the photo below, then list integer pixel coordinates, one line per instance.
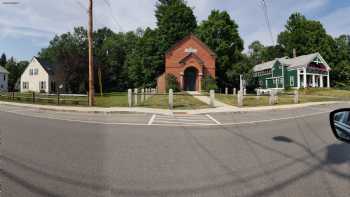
(189, 60)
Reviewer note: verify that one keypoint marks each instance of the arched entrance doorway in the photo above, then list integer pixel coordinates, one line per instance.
(190, 79)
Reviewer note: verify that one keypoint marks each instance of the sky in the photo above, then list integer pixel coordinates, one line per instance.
(28, 27)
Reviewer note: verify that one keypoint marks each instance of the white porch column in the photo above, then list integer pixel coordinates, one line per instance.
(328, 81)
(313, 81)
(305, 78)
(321, 81)
(298, 78)
(277, 82)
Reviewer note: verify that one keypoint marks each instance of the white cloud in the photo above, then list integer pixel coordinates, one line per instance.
(44, 18)
(338, 22)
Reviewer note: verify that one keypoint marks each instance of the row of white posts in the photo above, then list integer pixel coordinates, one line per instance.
(273, 96)
(144, 93)
(148, 92)
(234, 91)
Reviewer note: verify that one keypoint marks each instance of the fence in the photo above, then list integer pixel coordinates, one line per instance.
(170, 100)
(139, 96)
(44, 98)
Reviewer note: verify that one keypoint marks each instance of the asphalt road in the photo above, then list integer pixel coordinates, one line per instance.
(252, 154)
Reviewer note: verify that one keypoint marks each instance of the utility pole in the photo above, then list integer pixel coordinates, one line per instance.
(91, 59)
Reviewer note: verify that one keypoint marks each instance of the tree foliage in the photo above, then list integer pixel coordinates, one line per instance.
(3, 60)
(136, 58)
(175, 20)
(15, 71)
(68, 52)
(306, 36)
(172, 83)
(221, 34)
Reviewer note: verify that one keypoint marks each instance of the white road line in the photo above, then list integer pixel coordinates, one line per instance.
(170, 125)
(276, 119)
(150, 122)
(20, 110)
(185, 120)
(180, 123)
(213, 119)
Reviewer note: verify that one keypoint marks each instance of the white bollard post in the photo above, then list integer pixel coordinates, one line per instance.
(276, 98)
(272, 98)
(130, 97)
(234, 91)
(226, 91)
(240, 98)
(212, 98)
(142, 95)
(296, 96)
(258, 93)
(171, 99)
(135, 96)
(245, 92)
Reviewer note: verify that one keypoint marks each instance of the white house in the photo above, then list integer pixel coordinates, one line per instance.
(3, 79)
(38, 77)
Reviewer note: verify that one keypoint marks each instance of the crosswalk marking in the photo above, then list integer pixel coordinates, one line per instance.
(183, 120)
(152, 119)
(213, 119)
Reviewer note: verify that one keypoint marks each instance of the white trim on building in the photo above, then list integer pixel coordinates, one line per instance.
(36, 78)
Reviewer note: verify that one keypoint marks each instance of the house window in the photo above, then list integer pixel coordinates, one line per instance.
(25, 85)
(4, 77)
(36, 71)
(291, 80)
(42, 85)
(31, 72)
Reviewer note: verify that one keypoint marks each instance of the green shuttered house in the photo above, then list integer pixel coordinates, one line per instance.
(303, 71)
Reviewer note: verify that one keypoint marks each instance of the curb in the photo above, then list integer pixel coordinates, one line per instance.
(127, 110)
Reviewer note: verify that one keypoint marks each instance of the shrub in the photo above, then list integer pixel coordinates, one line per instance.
(172, 83)
(287, 89)
(208, 83)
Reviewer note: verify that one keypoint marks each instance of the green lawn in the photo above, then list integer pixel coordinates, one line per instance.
(112, 100)
(253, 101)
(306, 95)
(336, 93)
(180, 102)
(44, 99)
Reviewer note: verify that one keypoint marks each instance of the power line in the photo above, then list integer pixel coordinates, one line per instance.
(267, 19)
(83, 7)
(113, 17)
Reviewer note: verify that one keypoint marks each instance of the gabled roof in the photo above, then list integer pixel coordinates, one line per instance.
(297, 62)
(191, 36)
(49, 68)
(3, 70)
(304, 61)
(200, 61)
(267, 65)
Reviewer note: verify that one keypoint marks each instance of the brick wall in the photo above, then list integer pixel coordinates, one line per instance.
(203, 59)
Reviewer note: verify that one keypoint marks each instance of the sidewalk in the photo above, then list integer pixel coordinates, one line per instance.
(206, 99)
(222, 109)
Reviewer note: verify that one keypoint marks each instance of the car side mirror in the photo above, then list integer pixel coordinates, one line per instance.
(340, 123)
